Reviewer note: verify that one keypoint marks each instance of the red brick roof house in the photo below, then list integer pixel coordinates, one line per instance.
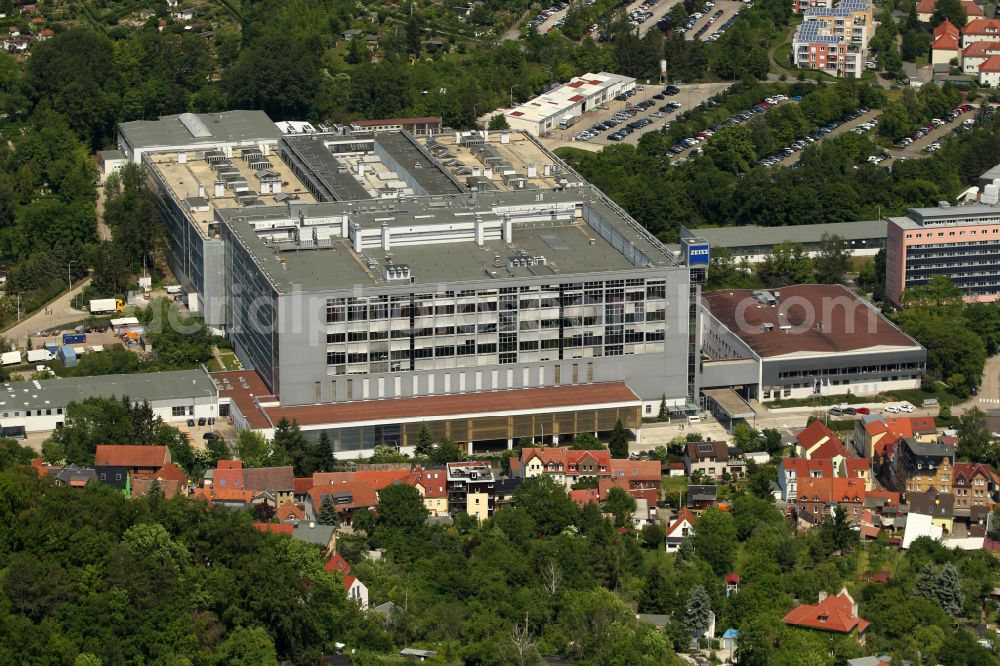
(114, 463)
(585, 496)
(289, 512)
(680, 528)
(275, 528)
(355, 589)
(976, 484)
(837, 613)
(637, 473)
(819, 497)
(792, 471)
(818, 442)
(277, 484)
(564, 465)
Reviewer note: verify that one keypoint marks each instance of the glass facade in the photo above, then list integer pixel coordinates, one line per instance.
(974, 266)
(507, 325)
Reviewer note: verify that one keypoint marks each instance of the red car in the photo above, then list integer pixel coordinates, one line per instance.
(864, 410)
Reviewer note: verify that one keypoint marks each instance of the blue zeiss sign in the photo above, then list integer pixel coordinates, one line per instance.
(698, 255)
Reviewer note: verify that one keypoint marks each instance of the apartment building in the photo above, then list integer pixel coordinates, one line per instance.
(799, 6)
(914, 466)
(470, 489)
(834, 39)
(959, 242)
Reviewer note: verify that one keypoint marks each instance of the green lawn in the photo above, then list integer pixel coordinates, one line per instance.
(224, 359)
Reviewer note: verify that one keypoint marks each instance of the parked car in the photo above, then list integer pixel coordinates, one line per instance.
(864, 410)
(190, 423)
(202, 421)
(850, 411)
(209, 436)
(836, 411)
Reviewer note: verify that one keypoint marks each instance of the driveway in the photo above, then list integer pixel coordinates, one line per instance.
(61, 311)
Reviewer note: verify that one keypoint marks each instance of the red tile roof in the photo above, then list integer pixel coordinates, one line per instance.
(276, 479)
(834, 613)
(585, 496)
(946, 27)
(945, 42)
(171, 472)
(675, 465)
(143, 485)
(276, 528)
(229, 464)
(982, 27)
(819, 442)
(683, 515)
(891, 498)
(433, 481)
(131, 455)
(805, 469)
(363, 495)
(964, 472)
(569, 459)
(981, 49)
(337, 563)
(302, 486)
(926, 6)
(972, 10)
(289, 511)
(857, 467)
(582, 396)
(832, 491)
(230, 495)
(992, 64)
(732, 578)
(852, 324)
(245, 399)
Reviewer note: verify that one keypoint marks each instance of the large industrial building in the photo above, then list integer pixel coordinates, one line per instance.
(959, 242)
(754, 243)
(567, 102)
(803, 341)
(374, 280)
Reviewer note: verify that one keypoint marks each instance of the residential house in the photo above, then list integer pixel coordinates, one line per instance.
(856, 468)
(114, 463)
(792, 470)
(289, 512)
(980, 30)
(916, 466)
(818, 498)
(836, 613)
(939, 506)
(274, 485)
(503, 492)
(989, 72)
(562, 464)
(585, 496)
(925, 10)
(700, 497)
(817, 442)
(713, 460)
(73, 476)
(348, 497)
(312, 532)
(356, 590)
(224, 486)
(301, 488)
(470, 489)
(885, 504)
(432, 484)
(945, 44)
(170, 479)
(976, 54)
(680, 528)
(675, 469)
(184, 15)
(638, 474)
(644, 514)
(976, 484)
(883, 660)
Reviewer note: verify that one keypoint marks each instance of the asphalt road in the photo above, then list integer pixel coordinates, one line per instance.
(62, 313)
(846, 127)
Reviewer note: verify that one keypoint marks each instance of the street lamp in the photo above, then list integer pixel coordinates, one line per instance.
(69, 273)
(512, 95)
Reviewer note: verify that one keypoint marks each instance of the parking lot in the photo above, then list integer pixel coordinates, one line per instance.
(693, 143)
(550, 16)
(689, 96)
(851, 125)
(926, 140)
(713, 23)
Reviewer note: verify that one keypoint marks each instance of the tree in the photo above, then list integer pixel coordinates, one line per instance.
(621, 505)
(662, 414)
(548, 503)
(289, 446)
(247, 647)
(838, 534)
(498, 122)
(425, 441)
(973, 437)
(401, 508)
(656, 593)
(786, 264)
(328, 512)
(445, 452)
(618, 441)
(357, 51)
(833, 260)
(324, 454)
(949, 10)
(264, 512)
(732, 149)
(697, 611)
(894, 123)
(254, 450)
(948, 590)
(585, 441)
(653, 536)
(715, 540)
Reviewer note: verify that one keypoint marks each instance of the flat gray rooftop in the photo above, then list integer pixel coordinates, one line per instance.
(324, 170)
(153, 386)
(569, 246)
(199, 128)
(754, 236)
(971, 214)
